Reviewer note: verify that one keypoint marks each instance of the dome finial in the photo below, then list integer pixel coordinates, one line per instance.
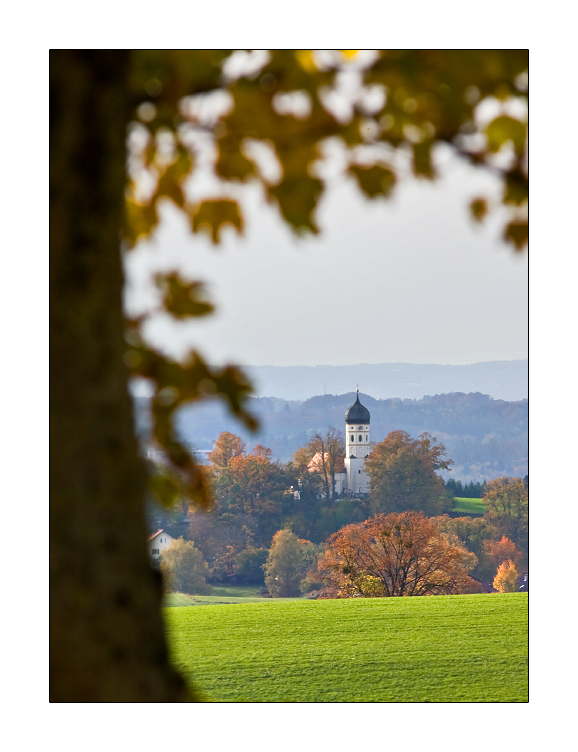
(357, 413)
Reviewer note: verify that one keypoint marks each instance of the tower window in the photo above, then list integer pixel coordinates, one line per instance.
(361, 438)
(352, 437)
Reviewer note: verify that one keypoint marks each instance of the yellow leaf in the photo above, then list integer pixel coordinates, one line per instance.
(305, 60)
(374, 181)
(231, 164)
(479, 209)
(139, 220)
(183, 298)
(169, 184)
(297, 196)
(504, 129)
(171, 189)
(517, 233)
(215, 214)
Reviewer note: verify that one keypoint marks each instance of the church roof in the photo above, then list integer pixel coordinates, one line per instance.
(316, 464)
(357, 413)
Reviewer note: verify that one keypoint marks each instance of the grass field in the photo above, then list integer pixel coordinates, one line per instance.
(462, 648)
(222, 595)
(469, 506)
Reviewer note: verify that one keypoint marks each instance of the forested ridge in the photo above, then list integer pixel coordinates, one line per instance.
(502, 379)
(486, 438)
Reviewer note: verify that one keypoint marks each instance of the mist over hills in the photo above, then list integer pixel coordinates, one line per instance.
(479, 411)
(485, 437)
(500, 379)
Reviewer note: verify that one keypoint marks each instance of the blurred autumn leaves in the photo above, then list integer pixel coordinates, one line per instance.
(194, 107)
(400, 99)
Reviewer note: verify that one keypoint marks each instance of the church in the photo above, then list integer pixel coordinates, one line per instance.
(354, 481)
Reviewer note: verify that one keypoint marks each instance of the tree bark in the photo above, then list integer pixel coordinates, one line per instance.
(107, 640)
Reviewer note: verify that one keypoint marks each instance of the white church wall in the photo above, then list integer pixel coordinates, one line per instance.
(340, 483)
(357, 478)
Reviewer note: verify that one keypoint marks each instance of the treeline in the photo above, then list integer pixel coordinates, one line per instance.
(470, 490)
(257, 496)
(466, 490)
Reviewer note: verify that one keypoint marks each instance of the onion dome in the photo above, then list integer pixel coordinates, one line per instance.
(357, 413)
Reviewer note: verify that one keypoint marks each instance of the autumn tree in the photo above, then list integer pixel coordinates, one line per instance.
(212, 533)
(306, 507)
(503, 550)
(403, 476)
(184, 568)
(228, 544)
(284, 568)
(263, 452)
(224, 563)
(506, 577)
(507, 508)
(227, 446)
(474, 533)
(107, 639)
(398, 554)
(322, 457)
(255, 486)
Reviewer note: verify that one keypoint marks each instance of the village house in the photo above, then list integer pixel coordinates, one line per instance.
(156, 545)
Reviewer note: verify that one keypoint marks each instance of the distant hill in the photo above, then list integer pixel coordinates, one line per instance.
(485, 437)
(500, 379)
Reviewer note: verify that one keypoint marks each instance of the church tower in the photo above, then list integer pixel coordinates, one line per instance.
(357, 447)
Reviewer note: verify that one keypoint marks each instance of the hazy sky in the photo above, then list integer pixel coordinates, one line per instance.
(410, 279)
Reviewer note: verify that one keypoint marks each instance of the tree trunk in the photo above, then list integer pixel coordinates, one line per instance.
(107, 640)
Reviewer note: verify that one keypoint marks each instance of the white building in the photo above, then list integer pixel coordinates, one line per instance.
(156, 545)
(355, 481)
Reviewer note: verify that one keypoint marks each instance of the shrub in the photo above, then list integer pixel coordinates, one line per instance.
(184, 568)
(284, 566)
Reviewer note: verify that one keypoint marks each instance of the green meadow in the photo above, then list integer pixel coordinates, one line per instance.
(469, 506)
(222, 595)
(461, 648)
